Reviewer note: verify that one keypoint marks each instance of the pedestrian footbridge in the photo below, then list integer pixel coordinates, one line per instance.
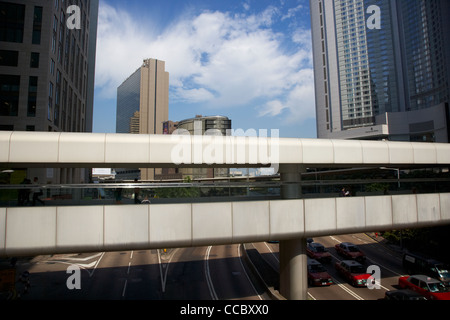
(291, 219)
(28, 231)
(104, 150)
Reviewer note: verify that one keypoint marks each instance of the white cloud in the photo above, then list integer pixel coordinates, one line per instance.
(301, 99)
(272, 108)
(292, 12)
(119, 49)
(218, 59)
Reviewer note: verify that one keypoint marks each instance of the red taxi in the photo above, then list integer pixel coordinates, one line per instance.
(353, 272)
(317, 251)
(350, 251)
(430, 288)
(317, 274)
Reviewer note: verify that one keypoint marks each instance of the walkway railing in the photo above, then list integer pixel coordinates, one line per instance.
(312, 186)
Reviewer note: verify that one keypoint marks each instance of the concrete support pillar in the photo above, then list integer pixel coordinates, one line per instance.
(293, 269)
(291, 178)
(293, 259)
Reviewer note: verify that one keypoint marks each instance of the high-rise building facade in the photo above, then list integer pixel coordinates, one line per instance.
(128, 102)
(381, 69)
(201, 125)
(47, 66)
(143, 105)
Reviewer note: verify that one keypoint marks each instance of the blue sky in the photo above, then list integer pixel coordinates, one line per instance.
(249, 60)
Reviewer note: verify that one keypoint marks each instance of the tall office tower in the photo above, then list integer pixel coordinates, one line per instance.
(47, 64)
(381, 69)
(427, 51)
(144, 95)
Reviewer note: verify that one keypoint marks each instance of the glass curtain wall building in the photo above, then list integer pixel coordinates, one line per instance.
(128, 100)
(143, 107)
(378, 65)
(426, 62)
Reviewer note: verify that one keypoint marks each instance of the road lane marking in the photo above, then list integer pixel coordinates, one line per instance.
(333, 238)
(124, 288)
(342, 286)
(312, 297)
(271, 251)
(166, 267)
(85, 266)
(212, 292)
(246, 274)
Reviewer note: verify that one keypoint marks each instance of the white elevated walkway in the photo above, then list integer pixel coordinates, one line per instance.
(104, 150)
(50, 230)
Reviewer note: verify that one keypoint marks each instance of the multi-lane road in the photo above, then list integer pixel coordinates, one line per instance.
(199, 273)
(389, 262)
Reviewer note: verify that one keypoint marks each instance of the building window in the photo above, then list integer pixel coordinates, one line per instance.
(9, 95)
(52, 67)
(57, 98)
(32, 96)
(37, 25)
(6, 127)
(34, 60)
(50, 101)
(9, 58)
(12, 19)
(55, 31)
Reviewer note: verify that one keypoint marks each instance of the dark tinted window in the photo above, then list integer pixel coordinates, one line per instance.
(12, 18)
(9, 95)
(9, 58)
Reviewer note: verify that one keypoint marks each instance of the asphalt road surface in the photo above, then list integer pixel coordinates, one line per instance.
(199, 273)
(387, 260)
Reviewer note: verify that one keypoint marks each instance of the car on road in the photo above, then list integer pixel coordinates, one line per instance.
(317, 274)
(354, 272)
(317, 251)
(403, 295)
(430, 288)
(350, 251)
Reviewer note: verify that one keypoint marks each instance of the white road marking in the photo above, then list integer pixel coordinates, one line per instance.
(212, 292)
(85, 266)
(166, 267)
(248, 278)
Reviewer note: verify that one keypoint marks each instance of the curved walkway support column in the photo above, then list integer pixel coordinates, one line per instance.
(291, 178)
(293, 269)
(293, 259)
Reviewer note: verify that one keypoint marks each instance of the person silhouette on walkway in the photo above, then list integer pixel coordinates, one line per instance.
(24, 194)
(345, 193)
(37, 192)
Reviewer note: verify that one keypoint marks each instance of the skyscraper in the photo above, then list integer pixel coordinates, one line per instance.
(145, 94)
(47, 65)
(381, 69)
